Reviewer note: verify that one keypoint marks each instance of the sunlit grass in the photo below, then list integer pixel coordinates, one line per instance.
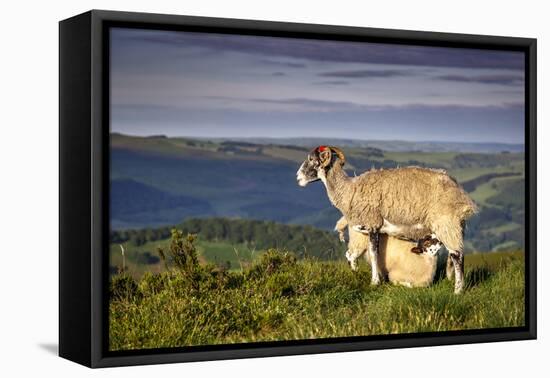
(281, 298)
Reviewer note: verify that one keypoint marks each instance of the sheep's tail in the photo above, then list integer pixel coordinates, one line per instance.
(464, 205)
(468, 208)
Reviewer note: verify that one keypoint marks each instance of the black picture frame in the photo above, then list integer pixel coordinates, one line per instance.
(84, 188)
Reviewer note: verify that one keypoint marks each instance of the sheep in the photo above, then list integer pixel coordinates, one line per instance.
(394, 201)
(403, 262)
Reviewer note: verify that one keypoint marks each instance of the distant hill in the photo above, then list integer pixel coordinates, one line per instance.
(389, 145)
(135, 202)
(159, 181)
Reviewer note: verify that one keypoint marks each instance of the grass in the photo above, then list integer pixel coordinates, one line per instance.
(281, 298)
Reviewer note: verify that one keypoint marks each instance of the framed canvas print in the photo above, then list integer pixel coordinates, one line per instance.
(234, 188)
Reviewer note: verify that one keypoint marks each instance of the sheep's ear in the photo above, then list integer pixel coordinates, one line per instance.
(325, 156)
(339, 153)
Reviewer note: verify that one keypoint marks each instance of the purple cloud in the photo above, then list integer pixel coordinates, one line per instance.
(485, 79)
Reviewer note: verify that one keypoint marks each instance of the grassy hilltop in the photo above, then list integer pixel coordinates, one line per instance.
(279, 297)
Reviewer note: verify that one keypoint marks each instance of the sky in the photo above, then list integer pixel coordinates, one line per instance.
(214, 85)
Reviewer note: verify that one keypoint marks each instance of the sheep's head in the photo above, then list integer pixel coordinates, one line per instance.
(317, 163)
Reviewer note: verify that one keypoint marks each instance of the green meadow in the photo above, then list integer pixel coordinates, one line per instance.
(280, 297)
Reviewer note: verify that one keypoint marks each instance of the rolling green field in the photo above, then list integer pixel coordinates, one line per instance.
(159, 181)
(279, 297)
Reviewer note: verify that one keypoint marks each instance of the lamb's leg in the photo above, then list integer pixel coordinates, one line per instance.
(352, 256)
(373, 254)
(340, 227)
(352, 260)
(341, 236)
(458, 262)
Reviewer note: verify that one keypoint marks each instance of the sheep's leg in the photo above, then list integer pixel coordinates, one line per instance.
(451, 233)
(450, 270)
(457, 258)
(373, 254)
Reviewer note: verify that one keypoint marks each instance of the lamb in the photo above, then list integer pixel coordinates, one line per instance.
(394, 201)
(397, 261)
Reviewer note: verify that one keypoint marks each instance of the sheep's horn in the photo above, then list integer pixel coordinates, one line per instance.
(339, 153)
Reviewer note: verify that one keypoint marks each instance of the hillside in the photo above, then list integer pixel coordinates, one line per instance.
(173, 179)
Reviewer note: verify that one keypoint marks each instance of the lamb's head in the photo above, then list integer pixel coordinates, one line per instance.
(318, 162)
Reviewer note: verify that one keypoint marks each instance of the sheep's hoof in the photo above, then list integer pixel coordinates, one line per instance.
(375, 282)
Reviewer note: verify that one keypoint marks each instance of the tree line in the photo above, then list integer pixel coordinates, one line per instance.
(303, 240)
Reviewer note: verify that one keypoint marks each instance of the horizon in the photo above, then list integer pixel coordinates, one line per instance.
(305, 137)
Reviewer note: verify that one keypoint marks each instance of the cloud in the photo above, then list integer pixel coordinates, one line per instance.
(510, 80)
(278, 74)
(362, 74)
(275, 48)
(307, 102)
(301, 104)
(293, 104)
(310, 104)
(283, 63)
(331, 82)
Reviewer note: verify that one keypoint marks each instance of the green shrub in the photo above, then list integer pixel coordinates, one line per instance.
(272, 261)
(182, 253)
(281, 284)
(151, 284)
(123, 287)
